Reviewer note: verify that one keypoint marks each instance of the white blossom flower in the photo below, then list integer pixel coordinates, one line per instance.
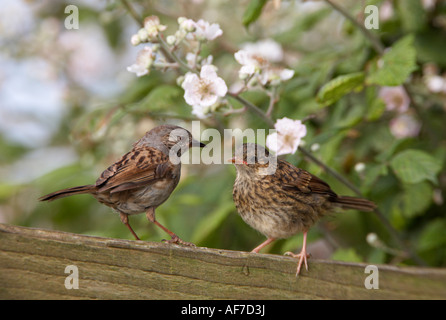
(395, 98)
(405, 126)
(256, 59)
(200, 30)
(206, 31)
(192, 60)
(287, 137)
(250, 63)
(275, 75)
(203, 90)
(268, 49)
(153, 26)
(144, 60)
(187, 25)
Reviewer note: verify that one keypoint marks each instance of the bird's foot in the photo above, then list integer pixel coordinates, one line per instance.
(302, 259)
(176, 240)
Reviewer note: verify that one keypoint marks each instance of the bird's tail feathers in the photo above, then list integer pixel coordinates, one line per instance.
(347, 202)
(68, 192)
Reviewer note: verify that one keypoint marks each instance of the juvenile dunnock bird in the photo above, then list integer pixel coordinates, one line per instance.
(143, 178)
(280, 200)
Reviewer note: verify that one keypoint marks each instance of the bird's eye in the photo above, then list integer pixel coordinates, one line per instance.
(174, 138)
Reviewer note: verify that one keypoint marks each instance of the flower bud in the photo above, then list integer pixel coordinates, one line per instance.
(180, 80)
(243, 75)
(135, 40)
(359, 167)
(171, 40)
(143, 35)
(315, 147)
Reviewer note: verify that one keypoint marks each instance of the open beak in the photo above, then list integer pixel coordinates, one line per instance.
(195, 143)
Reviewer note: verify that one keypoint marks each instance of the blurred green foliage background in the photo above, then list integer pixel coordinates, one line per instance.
(101, 109)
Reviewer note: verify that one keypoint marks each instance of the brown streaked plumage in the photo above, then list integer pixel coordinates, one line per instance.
(142, 179)
(286, 201)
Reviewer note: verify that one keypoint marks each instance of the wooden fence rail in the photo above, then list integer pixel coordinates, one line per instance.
(33, 264)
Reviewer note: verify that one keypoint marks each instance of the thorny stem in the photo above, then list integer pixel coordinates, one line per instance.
(266, 117)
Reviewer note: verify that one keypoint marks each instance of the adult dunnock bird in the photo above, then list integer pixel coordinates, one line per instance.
(280, 200)
(143, 178)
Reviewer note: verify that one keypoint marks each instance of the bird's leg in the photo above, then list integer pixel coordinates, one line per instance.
(150, 214)
(302, 255)
(125, 220)
(262, 245)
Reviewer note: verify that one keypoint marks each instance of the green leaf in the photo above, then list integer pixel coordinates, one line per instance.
(376, 107)
(413, 15)
(413, 166)
(163, 98)
(416, 199)
(395, 65)
(372, 172)
(253, 11)
(376, 110)
(430, 47)
(433, 235)
(340, 86)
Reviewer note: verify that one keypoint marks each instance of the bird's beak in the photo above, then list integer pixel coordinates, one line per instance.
(195, 143)
(236, 161)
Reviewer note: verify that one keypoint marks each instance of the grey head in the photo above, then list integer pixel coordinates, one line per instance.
(167, 137)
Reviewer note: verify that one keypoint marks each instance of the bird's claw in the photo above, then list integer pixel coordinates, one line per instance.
(302, 259)
(176, 240)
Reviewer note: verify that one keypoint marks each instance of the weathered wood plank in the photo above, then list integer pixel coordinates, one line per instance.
(33, 261)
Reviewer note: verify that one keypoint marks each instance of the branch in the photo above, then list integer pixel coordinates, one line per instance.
(374, 40)
(272, 101)
(253, 108)
(132, 12)
(171, 55)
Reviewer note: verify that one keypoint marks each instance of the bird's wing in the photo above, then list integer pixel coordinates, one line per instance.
(302, 180)
(137, 168)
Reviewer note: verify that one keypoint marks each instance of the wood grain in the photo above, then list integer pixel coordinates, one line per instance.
(33, 261)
